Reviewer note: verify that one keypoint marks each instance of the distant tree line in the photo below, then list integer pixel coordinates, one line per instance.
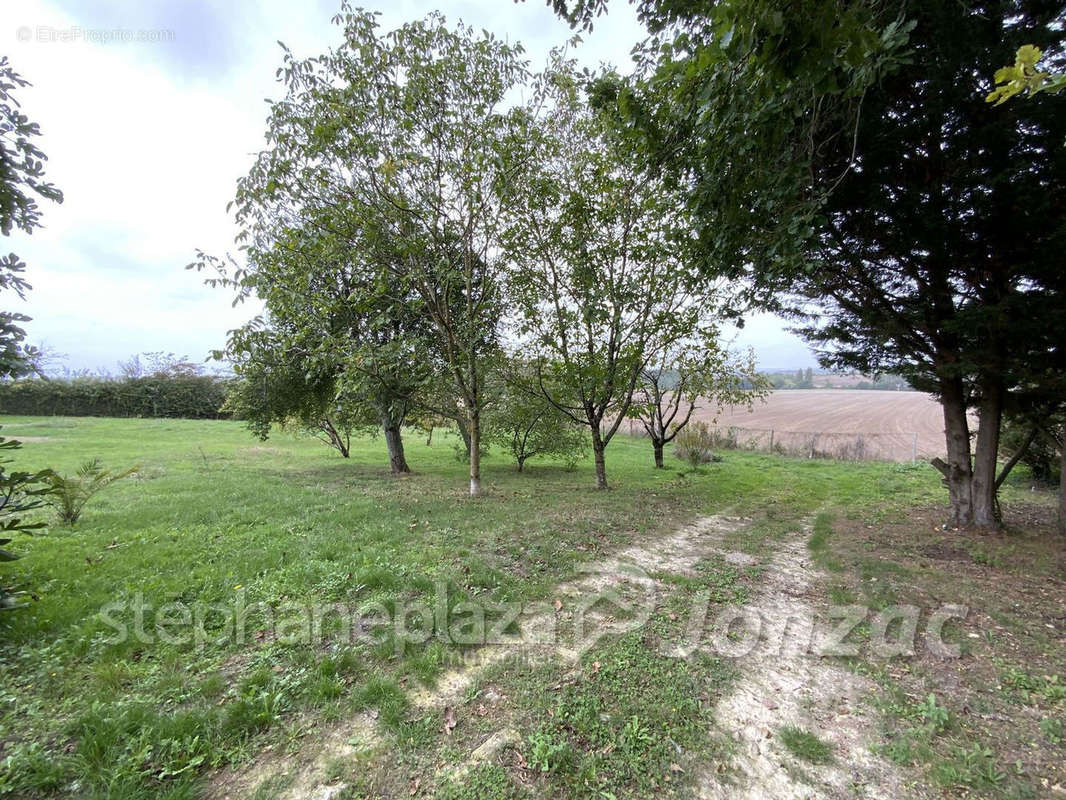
(149, 385)
(808, 379)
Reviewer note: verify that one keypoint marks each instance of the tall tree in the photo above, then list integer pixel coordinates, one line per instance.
(398, 144)
(599, 276)
(842, 157)
(937, 284)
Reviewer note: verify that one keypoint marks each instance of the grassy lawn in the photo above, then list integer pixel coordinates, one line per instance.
(991, 723)
(216, 520)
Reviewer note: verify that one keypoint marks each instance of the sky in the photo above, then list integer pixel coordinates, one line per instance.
(150, 111)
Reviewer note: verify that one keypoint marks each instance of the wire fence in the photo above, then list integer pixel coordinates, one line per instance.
(840, 446)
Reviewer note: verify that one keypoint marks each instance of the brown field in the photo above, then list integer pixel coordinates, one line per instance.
(845, 423)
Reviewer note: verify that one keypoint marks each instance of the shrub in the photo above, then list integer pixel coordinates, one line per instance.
(729, 439)
(180, 396)
(529, 427)
(695, 444)
(19, 492)
(70, 493)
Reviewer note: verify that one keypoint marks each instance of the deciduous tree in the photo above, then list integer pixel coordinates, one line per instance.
(694, 371)
(21, 185)
(599, 276)
(339, 347)
(398, 145)
(528, 425)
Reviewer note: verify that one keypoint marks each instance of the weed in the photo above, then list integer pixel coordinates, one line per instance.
(635, 736)
(1053, 729)
(695, 444)
(483, 782)
(937, 718)
(546, 751)
(975, 768)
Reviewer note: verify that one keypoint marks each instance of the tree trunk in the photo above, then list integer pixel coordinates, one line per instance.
(1017, 456)
(474, 443)
(335, 438)
(394, 441)
(990, 412)
(429, 436)
(464, 431)
(957, 472)
(1062, 490)
(521, 463)
(658, 445)
(597, 451)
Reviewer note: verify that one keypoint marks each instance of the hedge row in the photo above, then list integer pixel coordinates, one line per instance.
(188, 397)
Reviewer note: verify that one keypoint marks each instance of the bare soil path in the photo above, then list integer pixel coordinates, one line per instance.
(785, 682)
(777, 686)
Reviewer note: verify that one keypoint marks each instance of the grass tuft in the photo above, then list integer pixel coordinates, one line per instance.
(805, 746)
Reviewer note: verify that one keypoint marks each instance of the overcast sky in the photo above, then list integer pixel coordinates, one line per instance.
(147, 138)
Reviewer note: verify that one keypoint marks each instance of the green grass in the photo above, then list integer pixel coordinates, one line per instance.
(215, 518)
(983, 724)
(805, 746)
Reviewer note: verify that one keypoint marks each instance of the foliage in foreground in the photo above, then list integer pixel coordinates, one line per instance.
(19, 492)
(22, 184)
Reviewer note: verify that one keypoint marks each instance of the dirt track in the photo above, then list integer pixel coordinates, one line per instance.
(889, 420)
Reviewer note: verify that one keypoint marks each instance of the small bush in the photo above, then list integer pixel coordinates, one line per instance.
(70, 493)
(729, 439)
(695, 444)
(19, 492)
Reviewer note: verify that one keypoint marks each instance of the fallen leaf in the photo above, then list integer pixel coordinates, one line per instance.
(414, 786)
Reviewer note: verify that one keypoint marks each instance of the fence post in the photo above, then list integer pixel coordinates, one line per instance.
(914, 448)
